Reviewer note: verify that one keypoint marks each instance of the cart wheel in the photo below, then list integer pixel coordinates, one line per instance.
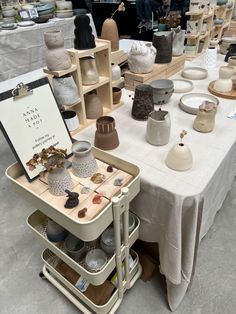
(41, 275)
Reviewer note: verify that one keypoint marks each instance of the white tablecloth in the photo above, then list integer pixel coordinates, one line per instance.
(23, 50)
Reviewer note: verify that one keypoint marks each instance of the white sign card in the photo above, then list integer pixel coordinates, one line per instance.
(33, 122)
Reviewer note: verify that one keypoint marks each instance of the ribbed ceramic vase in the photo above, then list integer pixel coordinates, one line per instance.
(143, 102)
(158, 127)
(58, 181)
(106, 136)
(89, 71)
(83, 162)
(93, 105)
(179, 158)
(84, 38)
(110, 32)
(65, 90)
(57, 58)
(162, 41)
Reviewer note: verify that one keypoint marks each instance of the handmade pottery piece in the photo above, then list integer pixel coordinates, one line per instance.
(75, 247)
(89, 71)
(232, 63)
(64, 5)
(143, 102)
(116, 95)
(95, 260)
(84, 39)
(162, 91)
(71, 119)
(115, 72)
(73, 199)
(58, 181)
(83, 162)
(65, 90)
(231, 52)
(224, 83)
(55, 232)
(182, 86)
(178, 41)
(194, 73)
(191, 102)
(110, 32)
(158, 128)
(106, 136)
(205, 119)
(179, 158)
(93, 105)
(225, 44)
(141, 57)
(108, 241)
(57, 58)
(210, 57)
(162, 41)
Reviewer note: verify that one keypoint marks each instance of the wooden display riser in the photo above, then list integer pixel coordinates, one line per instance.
(119, 56)
(160, 71)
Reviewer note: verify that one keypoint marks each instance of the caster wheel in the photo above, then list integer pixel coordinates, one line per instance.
(41, 275)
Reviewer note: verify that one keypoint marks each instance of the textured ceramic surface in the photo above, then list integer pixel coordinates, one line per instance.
(75, 247)
(84, 38)
(162, 41)
(106, 136)
(191, 102)
(95, 260)
(194, 73)
(83, 162)
(58, 181)
(143, 102)
(89, 71)
(93, 105)
(65, 90)
(158, 128)
(162, 91)
(110, 32)
(178, 41)
(179, 158)
(210, 57)
(205, 119)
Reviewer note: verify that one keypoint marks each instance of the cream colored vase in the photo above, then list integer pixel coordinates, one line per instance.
(205, 120)
(89, 71)
(158, 128)
(224, 83)
(179, 158)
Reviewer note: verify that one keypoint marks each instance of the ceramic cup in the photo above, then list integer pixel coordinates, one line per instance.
(116, 95)
(95, 260)
(74, 247)
(71, 119)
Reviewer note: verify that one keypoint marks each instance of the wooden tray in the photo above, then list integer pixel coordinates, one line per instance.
(228, 95)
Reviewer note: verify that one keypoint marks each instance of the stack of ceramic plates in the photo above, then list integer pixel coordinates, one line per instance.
(9, 14)
(8, 26)
(64, 13)
(46, 9)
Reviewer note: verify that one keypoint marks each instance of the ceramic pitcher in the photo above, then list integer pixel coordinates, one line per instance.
(178, 41)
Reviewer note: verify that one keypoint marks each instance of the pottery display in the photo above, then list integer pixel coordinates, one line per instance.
(71, 119)
(158, 128)
(93, 105)
(179, 158)
(84, 38)
(55, 232)
(115, 72)
(116, 95)
(224, 82)
(141, 57)
(57, 58)
(231, 52)
(106, 136)
(75, 247)
(205, 119)
(58, 181)
(232, 63)
(178, 41)
(210, 57)
(84, 164)
(191, 102)
(162, 41)
(194, 73)
(65, 90)
(89, 71)
(162, 91)
(143, 102)
(110, 32)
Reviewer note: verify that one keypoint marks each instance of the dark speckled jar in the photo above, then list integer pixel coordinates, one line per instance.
(143, 102)
(162, 41)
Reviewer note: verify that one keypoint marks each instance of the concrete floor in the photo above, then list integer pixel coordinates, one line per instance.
(22, 291)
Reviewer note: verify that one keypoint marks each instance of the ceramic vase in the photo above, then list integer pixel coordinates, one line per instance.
(205, 119)
(55, 232)
(83, 162)
(65, 90)
(162, 41)
(210, 57)
(158, 127)
(141, 57)
(84, 38)
(57, 58)
(71, 119)
(178, 41)
(110, 32)
(231, 52)
(116, 95)
(89, 71)
(106, 136)
(224, 83)
(58, 181)
(143, 102)
(93, 105)
(232, 63)
(179, 158)
(115, 72)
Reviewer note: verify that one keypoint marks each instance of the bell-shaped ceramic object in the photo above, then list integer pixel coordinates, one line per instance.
(106, 136)
(110, 32)
(158, 127)
(205, 119)
(143, 102)
(84, 38)
(65, 90)
(141, 57)
(179, 158)
(93, 105)
(162, 41)
(89, 71)
(178, 41)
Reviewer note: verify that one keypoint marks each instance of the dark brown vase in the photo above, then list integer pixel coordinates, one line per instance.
(110, 32)
(84, 38)
(106, 136)
(143, 102)
(93, 105)
(162, 41)
(116, 94)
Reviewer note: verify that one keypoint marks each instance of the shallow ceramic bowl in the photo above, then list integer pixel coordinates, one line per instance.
(64, 14)
(194, 73)
(191, 102)
(95, 260)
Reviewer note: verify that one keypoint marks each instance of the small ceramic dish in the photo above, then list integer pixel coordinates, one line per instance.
(194, 73)
(25, 23)
(191, 102)
(95, 260)
(182, 86)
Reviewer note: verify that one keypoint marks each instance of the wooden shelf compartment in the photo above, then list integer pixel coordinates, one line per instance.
(102, 81)
(61, 72)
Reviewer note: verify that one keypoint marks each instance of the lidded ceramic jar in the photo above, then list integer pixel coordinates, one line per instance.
(143, 102)
(224, 83)
(57, 58)
(83, 162)
(93, 105)
(110, 32)
(205, 120)
(162, 41)
(106, 136)
(89, 71)
(58, 181)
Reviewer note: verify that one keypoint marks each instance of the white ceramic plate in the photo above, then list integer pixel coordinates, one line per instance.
(191, 102)
(182, 86)
(194, 73)
(26, 23)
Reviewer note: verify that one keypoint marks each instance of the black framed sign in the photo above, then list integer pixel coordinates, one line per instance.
(30, 120)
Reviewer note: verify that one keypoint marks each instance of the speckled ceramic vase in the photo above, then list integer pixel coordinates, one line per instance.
(162, 41)
(57, 58)
(106, 136)
(58, 181)
(93, 105)
(110, 32)
(84, 38)
(83, 162)
(143, 102)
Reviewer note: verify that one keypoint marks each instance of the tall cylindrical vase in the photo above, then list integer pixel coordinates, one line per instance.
(162, 41)
(143, 102)
(210, 57)
(110, 32)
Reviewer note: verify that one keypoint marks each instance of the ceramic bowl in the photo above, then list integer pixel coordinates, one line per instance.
(9, 13)
(162, 91)
(74, 247)
(95, 260)
(194, 73)
(64, 13)
(218, 21)
(108, 241)
(191, 102)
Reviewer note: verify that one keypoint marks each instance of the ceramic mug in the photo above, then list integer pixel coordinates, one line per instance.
(71, 119)
(75, 247)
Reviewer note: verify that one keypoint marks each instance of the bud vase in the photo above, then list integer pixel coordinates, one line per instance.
(179, 158)
(57, 58)
(110, 32)
(58, 181)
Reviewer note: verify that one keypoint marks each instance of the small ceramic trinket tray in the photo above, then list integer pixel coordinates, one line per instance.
(191, 102)
(194, 73)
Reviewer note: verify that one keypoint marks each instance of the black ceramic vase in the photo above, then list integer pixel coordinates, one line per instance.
(84, 38)
(231, 52)
(143, 102)
(162, 41)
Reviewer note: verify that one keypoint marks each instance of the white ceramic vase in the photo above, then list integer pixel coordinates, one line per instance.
(158, 128)
(178, 41)
(115, 72)
(179, 158)
(65, 90)
(224, 83)
(210, 57)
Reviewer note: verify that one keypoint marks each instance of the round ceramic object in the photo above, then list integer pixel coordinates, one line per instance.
(55, 232)
(179, 158)
(41, 19)
(8, 26)
(224, 84)
(64, 5)
(158, 128)
(64, 14)
(194, 73)
(26, 23)
(182, 86)
(58, 181)
(74, 247)
(162, 91)
(95, 260)
(108, 241)
(191, 102)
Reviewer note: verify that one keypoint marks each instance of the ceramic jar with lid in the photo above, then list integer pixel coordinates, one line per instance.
(224, 83)
(205, 120)
(106, 136)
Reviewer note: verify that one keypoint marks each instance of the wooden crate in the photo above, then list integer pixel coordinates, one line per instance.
(160, 71)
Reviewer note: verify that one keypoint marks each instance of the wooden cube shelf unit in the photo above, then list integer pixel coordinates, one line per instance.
(222, 12)
(102, 56)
